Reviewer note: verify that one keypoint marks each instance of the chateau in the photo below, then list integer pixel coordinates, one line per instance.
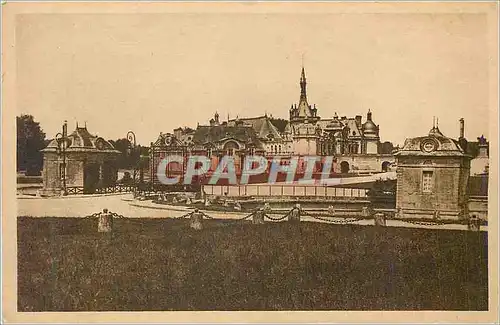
(312, 135)
(353, 142)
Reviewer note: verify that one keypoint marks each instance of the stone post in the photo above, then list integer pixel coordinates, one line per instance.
(365, 212)
(380, 219)
(258, 217)
(105, 223)
(437, 215)
(294, 215)
(196, 220)
(267, 207)
(474, 223)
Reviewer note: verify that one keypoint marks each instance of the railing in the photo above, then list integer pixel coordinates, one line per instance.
(119, 188)
(115, 189)
(276, 190)
(75, 190)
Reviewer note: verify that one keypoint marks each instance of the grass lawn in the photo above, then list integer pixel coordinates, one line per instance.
(161, 264)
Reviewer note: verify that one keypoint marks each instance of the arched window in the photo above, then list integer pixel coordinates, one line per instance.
(385, 166)
(230, 147)
(344, 167)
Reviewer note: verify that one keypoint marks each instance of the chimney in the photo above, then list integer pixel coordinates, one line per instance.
(358, 120)
(462, 128)
(483, 147)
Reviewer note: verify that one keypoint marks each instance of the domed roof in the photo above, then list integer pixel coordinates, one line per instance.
(369, 127)
(434, 144)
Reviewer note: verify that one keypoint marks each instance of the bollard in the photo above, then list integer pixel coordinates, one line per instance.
(258, 217)
(380, 219)
(295, 214)
(105, 223)
(196, 220)
(474, 223)
(267, 207)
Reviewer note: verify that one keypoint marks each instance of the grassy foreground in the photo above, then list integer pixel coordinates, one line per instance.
(161, 264)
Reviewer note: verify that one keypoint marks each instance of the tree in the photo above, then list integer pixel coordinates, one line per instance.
(130, 157)
(30, 140)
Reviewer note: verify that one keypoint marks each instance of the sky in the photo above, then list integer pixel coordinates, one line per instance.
(151, 73)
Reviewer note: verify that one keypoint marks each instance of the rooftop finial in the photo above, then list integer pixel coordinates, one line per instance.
(433, 122)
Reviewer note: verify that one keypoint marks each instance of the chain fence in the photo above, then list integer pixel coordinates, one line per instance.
(267, 213)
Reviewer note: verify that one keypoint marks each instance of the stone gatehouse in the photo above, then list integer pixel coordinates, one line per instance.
(88, 162)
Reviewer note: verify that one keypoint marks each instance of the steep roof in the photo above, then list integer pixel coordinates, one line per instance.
(81, 140)
(216, 133)
(262, 126)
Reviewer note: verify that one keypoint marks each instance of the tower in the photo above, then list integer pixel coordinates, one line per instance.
(303, 112)
(303, 118)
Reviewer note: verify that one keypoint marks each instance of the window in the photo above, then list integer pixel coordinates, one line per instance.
(427, 181)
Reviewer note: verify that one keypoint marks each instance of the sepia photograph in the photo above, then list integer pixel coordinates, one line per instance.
(262, 161)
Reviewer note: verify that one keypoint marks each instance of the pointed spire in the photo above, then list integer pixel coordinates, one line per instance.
(303, 85)
(77, 124)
